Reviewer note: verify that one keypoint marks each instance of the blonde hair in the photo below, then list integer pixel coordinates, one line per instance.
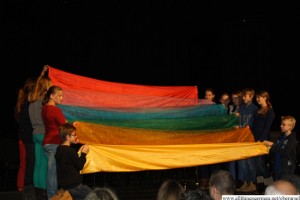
(40, 89)
(248, 91)
(291, 120)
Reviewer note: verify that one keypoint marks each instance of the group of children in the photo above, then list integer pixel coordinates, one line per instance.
(259, 117)
(47, 161)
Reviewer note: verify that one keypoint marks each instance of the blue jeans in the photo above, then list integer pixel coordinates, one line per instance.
(50, 150)
(80, 192)
(240, 175)
(248, 169)
(232, 169)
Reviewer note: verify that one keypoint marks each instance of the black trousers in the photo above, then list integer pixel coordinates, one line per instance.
(30, 161)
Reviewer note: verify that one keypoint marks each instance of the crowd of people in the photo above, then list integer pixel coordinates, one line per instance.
(221, 182)
(49, 162)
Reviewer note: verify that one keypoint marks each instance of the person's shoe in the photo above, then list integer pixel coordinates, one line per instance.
(250, 188)
(29, 192)
(244, 185)
(260, 188)
(268, 181)
(259, 179)
(40, 193)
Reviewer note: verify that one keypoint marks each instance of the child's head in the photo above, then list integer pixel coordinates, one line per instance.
(54, 93)
(225, 99)
(209, 94)
(236, 97)
(248, 95)
(104, 193)
(67, 131)
(264, 94)
(287, 123)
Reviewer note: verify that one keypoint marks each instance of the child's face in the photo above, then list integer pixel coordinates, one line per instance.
(235, 99)
(285, 126)
(261, 100)
(209, 95)
(57, 97)
(73, 138)
(225, 100)
(247, 98)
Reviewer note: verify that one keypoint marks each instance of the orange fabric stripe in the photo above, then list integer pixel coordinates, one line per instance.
(89, 133)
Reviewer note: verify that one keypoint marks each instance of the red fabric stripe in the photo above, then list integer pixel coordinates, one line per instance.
(88, 92)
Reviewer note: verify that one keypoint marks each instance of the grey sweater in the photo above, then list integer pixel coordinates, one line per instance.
(35, 114)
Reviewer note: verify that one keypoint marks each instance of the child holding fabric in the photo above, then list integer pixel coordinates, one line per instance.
(284, 150)
(69, 163)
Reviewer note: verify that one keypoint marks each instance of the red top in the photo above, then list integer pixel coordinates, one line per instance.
(53, 118)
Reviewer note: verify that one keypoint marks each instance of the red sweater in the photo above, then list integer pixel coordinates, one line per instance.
(53, 118)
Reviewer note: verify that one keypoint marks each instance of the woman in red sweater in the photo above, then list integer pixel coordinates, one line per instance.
(53, 117)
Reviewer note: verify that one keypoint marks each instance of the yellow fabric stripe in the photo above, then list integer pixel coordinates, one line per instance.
(126, 158)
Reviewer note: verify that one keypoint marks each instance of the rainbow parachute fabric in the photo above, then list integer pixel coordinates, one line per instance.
(131, 127)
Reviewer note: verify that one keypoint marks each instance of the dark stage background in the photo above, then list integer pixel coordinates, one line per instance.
(223, 45)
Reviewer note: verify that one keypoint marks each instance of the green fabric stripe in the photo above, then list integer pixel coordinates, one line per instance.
(74, 113)
(199, 123)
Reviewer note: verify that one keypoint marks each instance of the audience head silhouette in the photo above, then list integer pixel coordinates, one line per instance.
(170, 190)
(281, 187)
(221, 183)
(103, 193)
(194, 195)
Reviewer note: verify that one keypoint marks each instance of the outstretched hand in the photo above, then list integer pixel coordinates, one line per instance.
(44, 69)
(84, 148)
(267, 143)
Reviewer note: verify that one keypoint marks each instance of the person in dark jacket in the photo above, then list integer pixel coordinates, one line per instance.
(69, 163)
(284, 150)
(246, 167)
(26, 145)
(261, 129)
